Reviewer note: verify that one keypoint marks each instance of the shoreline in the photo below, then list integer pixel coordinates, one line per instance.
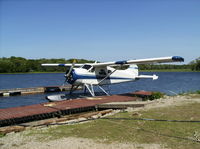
(153, 70)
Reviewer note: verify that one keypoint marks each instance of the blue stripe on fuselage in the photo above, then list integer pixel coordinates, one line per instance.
(77, 76)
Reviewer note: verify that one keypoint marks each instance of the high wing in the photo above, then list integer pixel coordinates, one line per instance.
(137, 61)
(141, 61)
(62, 65)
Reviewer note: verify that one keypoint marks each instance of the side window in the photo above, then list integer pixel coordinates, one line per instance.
(93, 69)
(102, 72)
(109, 71)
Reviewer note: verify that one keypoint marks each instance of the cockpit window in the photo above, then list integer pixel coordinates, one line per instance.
(86, 67)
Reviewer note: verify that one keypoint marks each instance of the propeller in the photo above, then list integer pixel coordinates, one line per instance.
(68, 72)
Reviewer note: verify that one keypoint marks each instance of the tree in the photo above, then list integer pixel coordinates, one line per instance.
(20, 64)
(195, 65)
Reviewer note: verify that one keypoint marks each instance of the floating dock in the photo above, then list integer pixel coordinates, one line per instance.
(34, 90)
(17, 115)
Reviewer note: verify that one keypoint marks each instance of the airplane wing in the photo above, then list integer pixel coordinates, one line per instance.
(62, 65)
(141, 61)
(137, 61)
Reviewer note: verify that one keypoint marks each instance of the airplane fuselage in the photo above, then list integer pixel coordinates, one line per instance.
(103, 76)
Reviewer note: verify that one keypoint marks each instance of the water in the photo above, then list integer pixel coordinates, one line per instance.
(170, 83)
(8, 81)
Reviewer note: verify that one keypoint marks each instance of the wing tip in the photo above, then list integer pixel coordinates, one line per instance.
(178, 58)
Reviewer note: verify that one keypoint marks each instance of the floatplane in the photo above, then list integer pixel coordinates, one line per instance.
(89, 75)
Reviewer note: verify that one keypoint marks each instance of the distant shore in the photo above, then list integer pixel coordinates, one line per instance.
(153, 70)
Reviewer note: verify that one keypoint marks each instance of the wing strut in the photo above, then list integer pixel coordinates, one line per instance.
(90, 89)
(106, 76)
(103, 90)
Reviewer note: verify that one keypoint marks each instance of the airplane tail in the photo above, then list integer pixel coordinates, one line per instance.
(134, 69)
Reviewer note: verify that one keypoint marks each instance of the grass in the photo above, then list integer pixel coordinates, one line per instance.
(171, 134)
(2, 135)
(191, 93)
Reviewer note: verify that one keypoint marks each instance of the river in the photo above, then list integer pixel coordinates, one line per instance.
(170, 83)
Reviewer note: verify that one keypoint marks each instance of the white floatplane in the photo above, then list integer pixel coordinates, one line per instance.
(99, 74)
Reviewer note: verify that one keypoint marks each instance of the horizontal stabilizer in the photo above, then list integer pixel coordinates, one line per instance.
(154, 77)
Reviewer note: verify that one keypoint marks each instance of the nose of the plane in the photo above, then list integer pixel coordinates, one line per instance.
(70, 77)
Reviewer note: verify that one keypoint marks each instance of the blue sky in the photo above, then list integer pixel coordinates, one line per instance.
(103, 30)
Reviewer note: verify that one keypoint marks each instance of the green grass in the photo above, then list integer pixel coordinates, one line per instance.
(155, 95)
(191, 93)
(2, 135)
(171, 134)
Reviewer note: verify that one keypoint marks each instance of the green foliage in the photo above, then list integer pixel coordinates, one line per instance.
(195, 65)
(198, 92)
(155, 95)
(2, 135)
(19, 64)
(163, 67)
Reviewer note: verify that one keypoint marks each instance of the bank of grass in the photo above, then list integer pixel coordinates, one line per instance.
(175, 135)
(2, 135)
(191, 93)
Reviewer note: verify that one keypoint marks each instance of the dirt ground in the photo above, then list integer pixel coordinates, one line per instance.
(22, 141)
(18, 141)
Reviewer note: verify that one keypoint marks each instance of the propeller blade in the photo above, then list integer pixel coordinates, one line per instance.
(68, 71)
(71, 68)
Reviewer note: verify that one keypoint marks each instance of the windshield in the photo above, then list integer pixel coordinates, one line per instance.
(87, 67)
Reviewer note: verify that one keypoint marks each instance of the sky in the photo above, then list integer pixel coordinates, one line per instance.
(103, 30)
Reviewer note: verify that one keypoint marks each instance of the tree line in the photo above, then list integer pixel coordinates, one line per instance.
(195, 64)
(20, 64)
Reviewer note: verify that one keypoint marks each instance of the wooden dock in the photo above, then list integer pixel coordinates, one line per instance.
(17, 115)
(34, 90)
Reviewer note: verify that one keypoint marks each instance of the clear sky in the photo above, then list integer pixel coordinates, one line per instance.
(103, 30)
